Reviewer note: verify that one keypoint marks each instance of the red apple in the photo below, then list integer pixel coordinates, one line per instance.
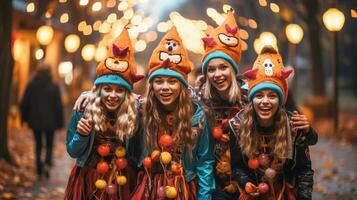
(102, 167)
(263, 188)
(217, 132)
(121, 163)
(147, 162)
(264, 159)
(103, 150)
(165, 140)
(253, 163)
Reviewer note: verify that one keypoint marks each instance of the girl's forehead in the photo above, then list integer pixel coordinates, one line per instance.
(165, 78)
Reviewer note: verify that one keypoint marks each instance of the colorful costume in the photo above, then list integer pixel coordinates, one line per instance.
(223, 42)
(291, 178)
(187, 174)
(106, 165)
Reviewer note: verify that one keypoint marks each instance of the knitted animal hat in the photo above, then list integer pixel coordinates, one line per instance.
(268, 72)
(223, 42)
(170, 58)
(119, 65)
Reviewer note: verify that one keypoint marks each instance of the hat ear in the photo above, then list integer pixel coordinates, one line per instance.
(285, 73)
(119, 52)
(231, 30)
(209, 41)
(251, 74)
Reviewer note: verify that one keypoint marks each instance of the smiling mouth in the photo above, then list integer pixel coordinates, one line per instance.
(265, 110)
(220, 82)
(165, 95)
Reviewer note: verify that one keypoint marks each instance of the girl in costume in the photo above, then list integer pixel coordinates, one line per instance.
(270, 159)
(222, 97)
(178, 158)
(105, 138)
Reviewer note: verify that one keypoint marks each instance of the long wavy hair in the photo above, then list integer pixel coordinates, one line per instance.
(248, 135)
(127, 114)
(155, 118)
(234, 89)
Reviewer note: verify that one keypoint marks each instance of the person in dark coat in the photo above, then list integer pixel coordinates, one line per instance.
(41, 108)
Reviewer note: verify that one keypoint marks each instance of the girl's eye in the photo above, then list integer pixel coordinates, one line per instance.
(210, 70)
(158, 81)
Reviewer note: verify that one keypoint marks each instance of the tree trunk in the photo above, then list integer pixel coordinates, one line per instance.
(318, 77)
(6, 70)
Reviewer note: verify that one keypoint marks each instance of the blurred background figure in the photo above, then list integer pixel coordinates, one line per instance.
(41, 108)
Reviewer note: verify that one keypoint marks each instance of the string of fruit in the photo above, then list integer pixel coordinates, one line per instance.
(217, 131)
(118, 165)
(262, 163)
(165, 158)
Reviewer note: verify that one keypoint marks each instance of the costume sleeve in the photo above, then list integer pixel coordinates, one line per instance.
(304, 173)
(206, 183)
(59, 108)
(311, 137)
(24, 105)
(136, 144)
(76, 144)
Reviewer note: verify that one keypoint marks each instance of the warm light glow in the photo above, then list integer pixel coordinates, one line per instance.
(140, 45)
(353, 13)
(39, 54)
(68, 78)
(71, 43)
(48, 14)
(263, 3)
(44, 34)
(111, 3)
(252, 23)
(274, 7)
(123, 6)
(294, 33)
(64, 18)
(151, 36)
(162, 27)
(83, 2)
(133, 32)
(18, 49)
(244, 46)
(88, 52)
(87, 30)
(112, 18)
(243, 34)
(97, 6)
(96, 25)
(202, 25)
(333, 19)
(30, 7)
(136, 20)
(82, 25)
(128, 14)
(100, 53)
(62, 1)
(268, 38)
(258, 46)
(65, 68)
(104, 27)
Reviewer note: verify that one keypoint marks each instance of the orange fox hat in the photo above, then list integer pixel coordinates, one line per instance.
(119, 65)
(170, 58)
(223, 42)
(268, 72)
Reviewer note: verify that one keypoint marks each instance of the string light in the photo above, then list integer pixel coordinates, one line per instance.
(263, 3)
(64, 18)
(30, 7)
(274, 7)
(97, 6)
(83, 2)
(82, 25)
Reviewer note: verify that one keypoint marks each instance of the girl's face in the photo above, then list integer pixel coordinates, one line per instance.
(166, 90)
(112, 96)
(266, 104)
(219, 74)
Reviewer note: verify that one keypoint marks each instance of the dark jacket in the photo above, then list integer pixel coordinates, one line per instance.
(41, 106)
(298, 168)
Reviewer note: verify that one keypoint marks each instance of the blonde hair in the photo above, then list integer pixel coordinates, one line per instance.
(248, 135)
(127, 113)
(183, 118)
(234, 90)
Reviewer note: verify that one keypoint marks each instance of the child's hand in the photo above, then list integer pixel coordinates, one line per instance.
(299, 122)
(84, 126)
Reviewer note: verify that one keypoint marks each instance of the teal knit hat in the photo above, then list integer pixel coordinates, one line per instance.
(219, 54)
